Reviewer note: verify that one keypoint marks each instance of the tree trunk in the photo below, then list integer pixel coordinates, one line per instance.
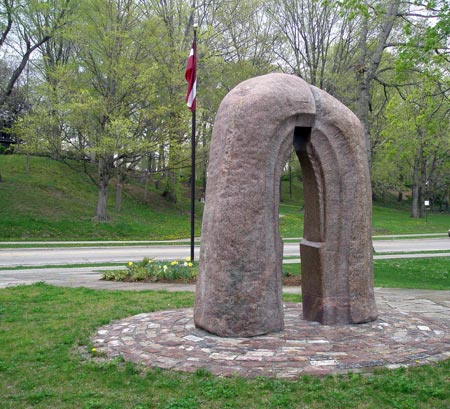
(364, 82)
(7, 91)
(368, 64)
(119, 194)
(363, 115)
(161, 166)
(423, 185)
(415, 190)
(171, 188)
(146, 185)
(104, 174)
(150, 168)
(27, 164)
(100, 214)
(419, 177)
(121, 180)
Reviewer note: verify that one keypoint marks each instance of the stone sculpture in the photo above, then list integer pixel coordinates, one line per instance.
(239, 284)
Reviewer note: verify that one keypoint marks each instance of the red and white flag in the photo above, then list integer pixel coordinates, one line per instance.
(191, 78)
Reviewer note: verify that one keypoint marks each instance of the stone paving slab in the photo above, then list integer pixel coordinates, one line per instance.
(170, 340)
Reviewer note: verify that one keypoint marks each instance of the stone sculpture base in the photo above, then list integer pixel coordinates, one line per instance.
(169, 340)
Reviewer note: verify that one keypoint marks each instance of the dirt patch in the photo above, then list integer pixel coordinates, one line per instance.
(292, 280)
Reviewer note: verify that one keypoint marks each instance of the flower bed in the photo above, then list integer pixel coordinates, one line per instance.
(149, 270)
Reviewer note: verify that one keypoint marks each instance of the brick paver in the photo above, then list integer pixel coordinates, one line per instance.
(169, 340)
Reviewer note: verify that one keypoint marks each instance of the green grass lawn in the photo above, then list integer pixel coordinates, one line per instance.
(45, 363)
(426, 273)
(423, 273)
(387, 220)
(388, 217)
(57, 202)
(384, 221)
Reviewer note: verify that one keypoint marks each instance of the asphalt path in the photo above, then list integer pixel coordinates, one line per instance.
(10, 257)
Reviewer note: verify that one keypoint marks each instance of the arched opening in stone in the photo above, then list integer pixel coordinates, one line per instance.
(239, 284)
(313, 216)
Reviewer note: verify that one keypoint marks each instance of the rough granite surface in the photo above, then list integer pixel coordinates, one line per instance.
(239, 284)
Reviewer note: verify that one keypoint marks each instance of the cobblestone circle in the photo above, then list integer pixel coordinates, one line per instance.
(170, 340)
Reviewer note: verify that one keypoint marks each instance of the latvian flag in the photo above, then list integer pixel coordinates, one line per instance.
(191, 78)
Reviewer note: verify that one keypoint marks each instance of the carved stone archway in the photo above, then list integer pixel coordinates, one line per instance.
(239, 284)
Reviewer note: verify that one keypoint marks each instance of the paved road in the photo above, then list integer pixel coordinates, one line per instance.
(382, 246)
(81, 255)
(119, 254)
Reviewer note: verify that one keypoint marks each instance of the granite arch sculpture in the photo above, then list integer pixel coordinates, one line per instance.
(239, 284)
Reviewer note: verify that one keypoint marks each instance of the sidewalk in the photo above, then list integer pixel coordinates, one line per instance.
(90, 276)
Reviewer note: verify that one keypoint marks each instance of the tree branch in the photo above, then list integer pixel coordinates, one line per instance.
(16, 74)
(8, 24)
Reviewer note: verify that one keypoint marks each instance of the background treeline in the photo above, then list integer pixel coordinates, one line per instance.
(102, 81)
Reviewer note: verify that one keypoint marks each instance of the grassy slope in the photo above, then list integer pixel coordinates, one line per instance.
(57, 202)
(387, 218)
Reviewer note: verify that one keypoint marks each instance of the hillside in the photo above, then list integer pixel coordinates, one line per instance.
(57, 202)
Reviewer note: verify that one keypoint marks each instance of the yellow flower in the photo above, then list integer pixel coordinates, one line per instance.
(130, 263)
(94, 350)
(174, 263)
(190, 264)
(188, 259)
(165, 267)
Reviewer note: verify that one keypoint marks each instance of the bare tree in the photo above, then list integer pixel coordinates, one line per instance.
(314, 38)
(26, 26)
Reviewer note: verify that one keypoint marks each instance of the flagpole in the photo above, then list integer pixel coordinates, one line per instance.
(193, 165)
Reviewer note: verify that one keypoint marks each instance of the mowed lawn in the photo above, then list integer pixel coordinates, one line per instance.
(45, 359)
(57, 201)
(422, 273)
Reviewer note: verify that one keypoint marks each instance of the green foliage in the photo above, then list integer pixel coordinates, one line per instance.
(416, 147)
(110, 85)
(153, 271)
(426, 44)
